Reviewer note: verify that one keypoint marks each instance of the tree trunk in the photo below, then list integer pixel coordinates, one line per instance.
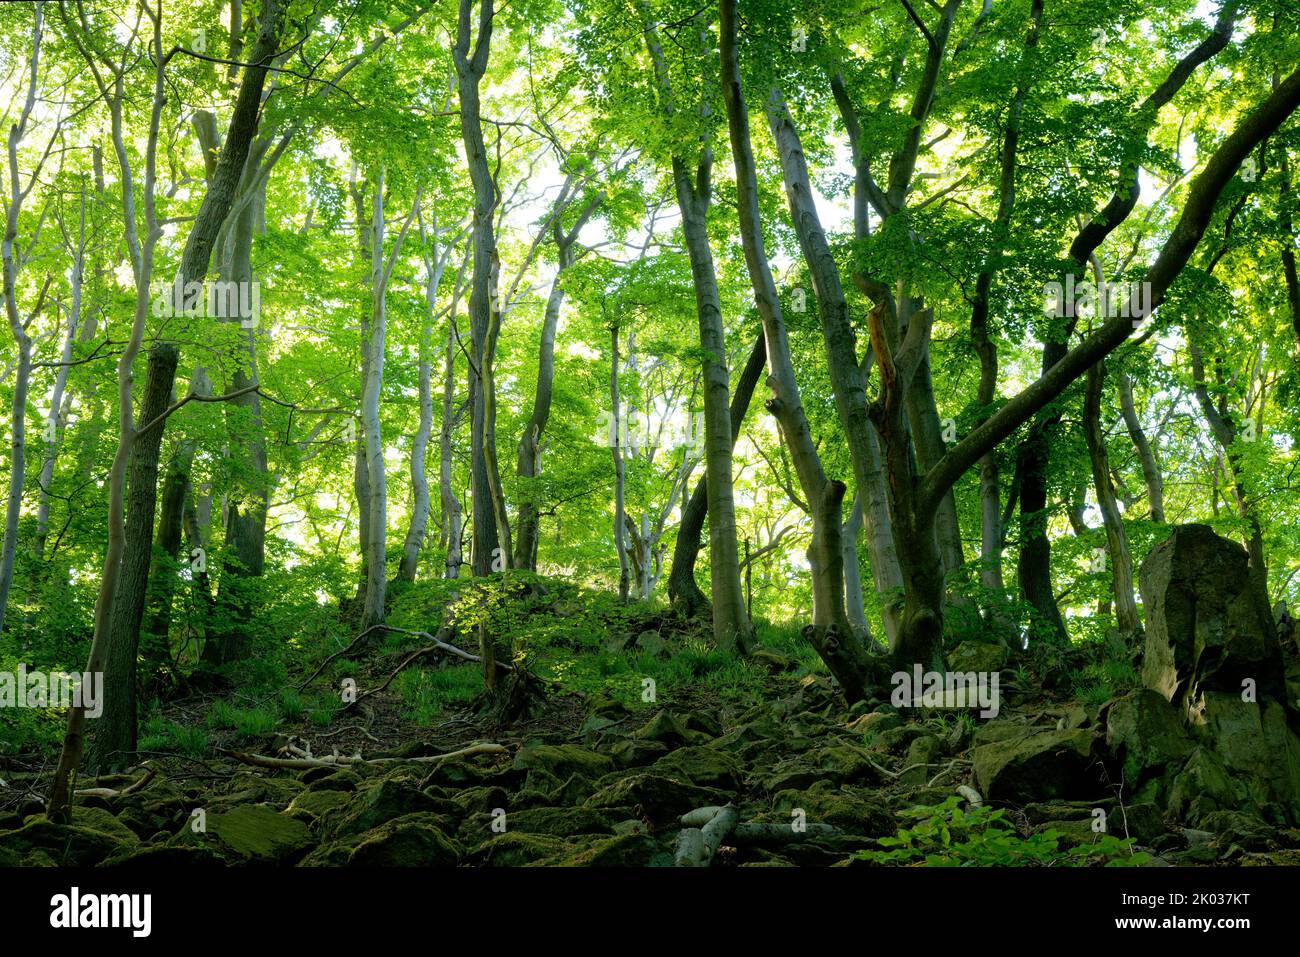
(451, 507)
(418, 528)
(616, 451)
(1150, 468)
(529, 465)
(682, 589)
(114, 740)
(1121, 562)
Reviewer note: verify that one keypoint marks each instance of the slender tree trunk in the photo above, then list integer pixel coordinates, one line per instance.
(831, 633)
(114, 740)
(529, 465)
(56, 419)
(451, 506)
(1121, 561)
(376, 547)
(616, 451)
(23, 343)
(418, 528)
(682, 589)
(1150, 467)
(247, 494)
(853, 601)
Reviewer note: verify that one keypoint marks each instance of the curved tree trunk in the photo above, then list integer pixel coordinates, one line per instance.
(1121, 561)
(1150, 467)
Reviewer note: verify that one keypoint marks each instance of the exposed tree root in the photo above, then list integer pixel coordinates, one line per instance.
(518, 696)
(304, 762)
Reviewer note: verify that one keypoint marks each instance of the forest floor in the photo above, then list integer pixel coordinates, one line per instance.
(589, 779)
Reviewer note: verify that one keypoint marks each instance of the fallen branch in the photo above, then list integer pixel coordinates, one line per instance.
(342, 760)
(115, 792)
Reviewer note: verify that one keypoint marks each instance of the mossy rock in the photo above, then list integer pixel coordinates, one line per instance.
(706, 767)
(165, 856)
(874, 723)
(624, 850)
(331, 854)
(1145, 733)
(457, 773)
(331, 779)
(1038, 766)
(763, 731)
(1071, 832)
(836, 764)
(104, 821)
(410, 841)
(69, 845)
(922, 753)
(390, 798)
(250, 789)
(312, 806)
(977, 656)
(666, 728)
(252, 833)
(517, 848)
(562, 760)
(560, 821)
(824, 804)
(543, 787)
(635, 753)
(660, 798)
(1202, 787)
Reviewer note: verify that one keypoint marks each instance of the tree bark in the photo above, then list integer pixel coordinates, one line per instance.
(682, 589)
(114, 741)
(1151, 473)
(837, 641)
(1121, 561)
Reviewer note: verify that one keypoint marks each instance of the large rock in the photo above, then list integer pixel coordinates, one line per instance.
(1037, 766)
(413, 840)
(1205, 627)
(251, 833)
(1145, 733)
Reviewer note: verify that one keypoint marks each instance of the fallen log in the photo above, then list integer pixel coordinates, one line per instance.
(697, 846)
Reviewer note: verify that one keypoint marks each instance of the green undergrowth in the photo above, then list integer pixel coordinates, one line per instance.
(950, 835)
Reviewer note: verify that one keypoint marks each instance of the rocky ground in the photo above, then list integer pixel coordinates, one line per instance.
(590, 783)
(1198, 762)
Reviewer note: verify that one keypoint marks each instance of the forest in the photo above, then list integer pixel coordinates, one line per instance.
(634, 433)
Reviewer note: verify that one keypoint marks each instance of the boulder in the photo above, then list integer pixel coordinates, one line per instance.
(389, 799)
(1145, 734)
(977, 656)
(661, 799)
(1206, 629)
(409, 841)
(251, 833)
(1037, 766)
(704, 766)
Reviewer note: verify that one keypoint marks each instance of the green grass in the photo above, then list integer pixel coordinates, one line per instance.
(159, 734)
(427, 693)
(245, 722)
